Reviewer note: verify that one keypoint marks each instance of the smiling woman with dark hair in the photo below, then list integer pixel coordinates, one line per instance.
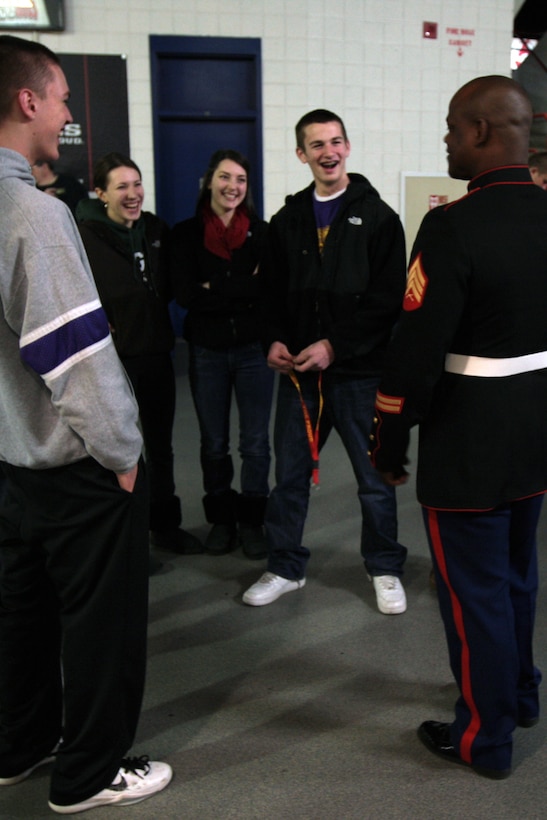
(128, 252)
(215, 262)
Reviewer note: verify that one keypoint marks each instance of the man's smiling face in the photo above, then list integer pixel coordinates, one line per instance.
(325, 151)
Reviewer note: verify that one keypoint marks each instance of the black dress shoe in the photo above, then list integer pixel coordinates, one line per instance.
(528, 722)
(436, 737)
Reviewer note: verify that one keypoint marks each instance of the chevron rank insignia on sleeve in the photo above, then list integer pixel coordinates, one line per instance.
(416, 285)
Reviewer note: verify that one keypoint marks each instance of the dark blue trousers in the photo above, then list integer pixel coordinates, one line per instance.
(487, 580)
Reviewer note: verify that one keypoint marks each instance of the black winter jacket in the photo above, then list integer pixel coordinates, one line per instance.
(226, 314)
(138, 313)
(352, 294)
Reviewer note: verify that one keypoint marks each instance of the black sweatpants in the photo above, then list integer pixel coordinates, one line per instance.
(153, 381)
(73, 617)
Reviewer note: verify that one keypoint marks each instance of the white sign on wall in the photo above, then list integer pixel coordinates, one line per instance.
(32, 15)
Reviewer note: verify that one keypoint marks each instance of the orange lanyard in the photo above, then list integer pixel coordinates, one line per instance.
(312, 434)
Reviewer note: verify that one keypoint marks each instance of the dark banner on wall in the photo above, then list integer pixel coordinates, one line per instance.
(98, 104)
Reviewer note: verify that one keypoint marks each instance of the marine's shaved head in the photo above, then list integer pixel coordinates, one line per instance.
(493, 114)
(499, 100)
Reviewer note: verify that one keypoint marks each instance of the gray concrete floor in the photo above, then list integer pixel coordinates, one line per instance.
(306, 708)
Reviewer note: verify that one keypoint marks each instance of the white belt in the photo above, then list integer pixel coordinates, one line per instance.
(483, 366)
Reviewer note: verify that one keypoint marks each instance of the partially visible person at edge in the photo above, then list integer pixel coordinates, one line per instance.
(334, 271)
(469, 365)
(63, 186)
(73, 529)
(128, 251)
(537, 163)
(214, 263)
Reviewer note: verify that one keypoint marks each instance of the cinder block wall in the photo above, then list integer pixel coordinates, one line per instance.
(366, 59)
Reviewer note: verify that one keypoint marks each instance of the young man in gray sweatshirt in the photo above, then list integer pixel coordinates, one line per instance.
(73, 523)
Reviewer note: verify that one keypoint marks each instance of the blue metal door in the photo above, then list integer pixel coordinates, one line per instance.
(206, 94)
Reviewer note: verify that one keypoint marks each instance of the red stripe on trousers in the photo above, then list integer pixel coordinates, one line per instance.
(467, 693)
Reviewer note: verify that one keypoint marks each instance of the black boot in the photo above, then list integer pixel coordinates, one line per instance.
(176, 540)
(154, 563)
(220, 511)
(250, 515)
(166, 532)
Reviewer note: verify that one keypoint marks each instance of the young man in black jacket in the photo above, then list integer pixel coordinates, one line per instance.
(334, 271)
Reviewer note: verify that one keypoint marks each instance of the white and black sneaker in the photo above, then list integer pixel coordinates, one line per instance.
(137, 779)
(18, 778)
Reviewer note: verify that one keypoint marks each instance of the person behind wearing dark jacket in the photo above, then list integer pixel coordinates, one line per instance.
(129, 256)
(537, 163)
(334, 272)
(64, 186)
(215, 258)
(468, 363)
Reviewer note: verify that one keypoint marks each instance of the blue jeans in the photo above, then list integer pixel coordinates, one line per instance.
(349, 408)
(214, 374)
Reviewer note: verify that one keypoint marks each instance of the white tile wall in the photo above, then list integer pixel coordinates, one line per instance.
(366, 59)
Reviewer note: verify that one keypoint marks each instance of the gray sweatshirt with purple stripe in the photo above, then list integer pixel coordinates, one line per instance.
(63, 392)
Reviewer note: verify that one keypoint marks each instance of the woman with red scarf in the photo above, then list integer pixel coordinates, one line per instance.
(215, 263)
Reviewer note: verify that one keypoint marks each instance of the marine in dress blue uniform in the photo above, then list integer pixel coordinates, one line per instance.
(468, 364)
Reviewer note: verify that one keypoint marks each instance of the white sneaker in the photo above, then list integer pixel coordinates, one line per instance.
(137, 779)
(18, 778)
(390, 595)
(269, 588)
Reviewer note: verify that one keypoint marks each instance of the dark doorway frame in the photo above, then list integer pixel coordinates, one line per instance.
(205, 91)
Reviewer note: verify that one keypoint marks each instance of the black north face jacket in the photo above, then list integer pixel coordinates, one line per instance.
(352, 294)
